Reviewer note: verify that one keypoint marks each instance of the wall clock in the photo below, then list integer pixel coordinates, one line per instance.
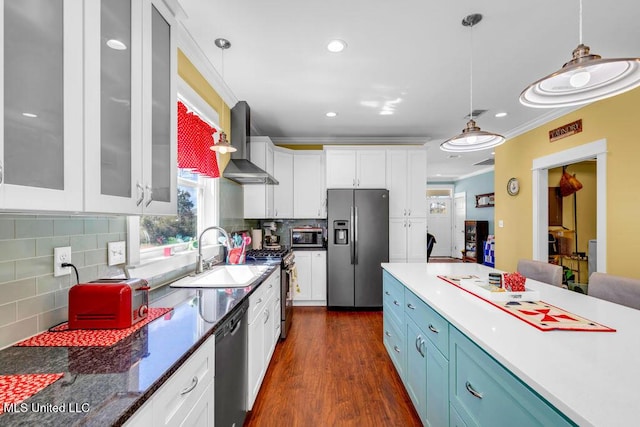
(513, 186)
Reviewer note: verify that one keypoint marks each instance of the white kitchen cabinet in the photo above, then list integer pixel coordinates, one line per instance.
(181, 398)
(130, 108)
(407, 240)
(283, 192)
(263, 320)
(41, 141)
(309, 190)
(407, 183)
(311, 267)
(355, 168)
(258, 198)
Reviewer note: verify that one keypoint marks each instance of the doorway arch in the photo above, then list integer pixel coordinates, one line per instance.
(540, 175)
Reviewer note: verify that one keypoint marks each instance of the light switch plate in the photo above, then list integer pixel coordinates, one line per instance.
(116, 253)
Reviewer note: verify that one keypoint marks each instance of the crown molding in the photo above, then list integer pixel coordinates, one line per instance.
(351, 140)
(196, 55)
(553, 114)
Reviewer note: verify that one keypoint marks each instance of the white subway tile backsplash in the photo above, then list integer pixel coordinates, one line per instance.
(52, 318)
(7, 271)
(7, 229)
(33, 306)
(20, 289)
(34, 267)
(68, 226)
(11, 250)
(84, 242)
(8, 313)
(49, 283)
(17, 331)
(29, 228)
(45, 245)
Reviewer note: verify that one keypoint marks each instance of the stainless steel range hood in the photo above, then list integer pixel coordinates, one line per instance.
(240, 169)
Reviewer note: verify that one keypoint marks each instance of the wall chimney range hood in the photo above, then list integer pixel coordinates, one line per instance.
(239, 169)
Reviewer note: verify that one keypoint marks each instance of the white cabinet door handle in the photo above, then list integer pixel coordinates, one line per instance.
(194, 383)
(150, 193)
(140, 193)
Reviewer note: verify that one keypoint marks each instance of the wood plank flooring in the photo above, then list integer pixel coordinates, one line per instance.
(332, 370)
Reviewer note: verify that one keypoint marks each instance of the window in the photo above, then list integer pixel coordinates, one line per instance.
(156, 237)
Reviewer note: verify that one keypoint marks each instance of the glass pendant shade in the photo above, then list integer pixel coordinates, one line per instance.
(472, 138)
(223, 146)
(586, 78)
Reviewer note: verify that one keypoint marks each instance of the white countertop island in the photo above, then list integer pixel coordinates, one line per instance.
(592, 377)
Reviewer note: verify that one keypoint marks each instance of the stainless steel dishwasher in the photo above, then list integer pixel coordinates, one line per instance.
(231, 370)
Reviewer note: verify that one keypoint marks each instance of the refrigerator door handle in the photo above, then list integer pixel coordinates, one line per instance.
(355, 237)
(352, 248)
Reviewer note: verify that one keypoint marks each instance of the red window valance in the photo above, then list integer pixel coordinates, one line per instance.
(195, 137)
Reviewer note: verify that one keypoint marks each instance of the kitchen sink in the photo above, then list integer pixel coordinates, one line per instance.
(225, 276)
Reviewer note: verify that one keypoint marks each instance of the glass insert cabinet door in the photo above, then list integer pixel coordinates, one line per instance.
(159, 115)
(41, 98)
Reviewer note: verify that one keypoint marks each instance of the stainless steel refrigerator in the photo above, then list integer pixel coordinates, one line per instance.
(358, 242)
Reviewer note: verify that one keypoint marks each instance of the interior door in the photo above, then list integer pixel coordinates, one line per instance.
(459, 215)
(439, 223)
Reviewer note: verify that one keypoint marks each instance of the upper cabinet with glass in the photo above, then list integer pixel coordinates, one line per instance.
(130, 107)
(41, 105)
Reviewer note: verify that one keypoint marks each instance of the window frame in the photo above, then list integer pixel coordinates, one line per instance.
(208, 199)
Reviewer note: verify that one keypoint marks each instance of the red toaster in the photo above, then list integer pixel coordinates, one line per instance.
(108, 303)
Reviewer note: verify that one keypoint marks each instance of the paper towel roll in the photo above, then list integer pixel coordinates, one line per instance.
(256, 239)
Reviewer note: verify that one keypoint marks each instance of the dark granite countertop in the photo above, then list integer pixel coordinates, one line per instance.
(104, 386)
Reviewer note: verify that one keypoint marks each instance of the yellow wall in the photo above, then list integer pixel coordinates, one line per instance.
(614, 119)
(190, 74)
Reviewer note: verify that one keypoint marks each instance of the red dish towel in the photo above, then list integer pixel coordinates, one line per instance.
(17, 388)
(63, 337)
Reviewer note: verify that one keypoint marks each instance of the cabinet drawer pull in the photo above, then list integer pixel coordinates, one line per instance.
(396, 303)
(396, 348)
(387, 333)
(473, 391)
(411, 306)
(433, 329)
(194, 383)
(387, 293)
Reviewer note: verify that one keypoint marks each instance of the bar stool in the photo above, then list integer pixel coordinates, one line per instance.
(617, 289)
(541, 271)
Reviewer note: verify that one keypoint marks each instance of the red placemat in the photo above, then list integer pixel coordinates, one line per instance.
(542, 315)
(61, 336)
(16, 388)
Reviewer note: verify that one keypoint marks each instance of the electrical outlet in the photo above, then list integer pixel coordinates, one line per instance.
(60, 256)
(116, 253)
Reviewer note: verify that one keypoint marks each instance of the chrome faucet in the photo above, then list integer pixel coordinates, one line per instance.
(199, 263)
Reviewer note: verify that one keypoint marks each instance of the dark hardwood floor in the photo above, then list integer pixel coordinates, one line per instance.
(332, 370)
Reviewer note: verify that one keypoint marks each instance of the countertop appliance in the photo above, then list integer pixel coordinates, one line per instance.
(231, 369)
(358, 242)
(108, 303)
(307, 237)
(286, 259)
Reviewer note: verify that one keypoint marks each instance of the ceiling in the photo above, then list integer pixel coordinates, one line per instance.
(410, 57)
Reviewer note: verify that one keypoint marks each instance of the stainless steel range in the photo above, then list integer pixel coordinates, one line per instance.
(286, 259)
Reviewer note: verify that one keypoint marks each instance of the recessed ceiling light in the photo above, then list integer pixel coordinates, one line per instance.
(331, 114)
(386, 112)
(336, 46)
(454, 156)
(502, 114)
(493, 153)
(30, 115)
(116, 44)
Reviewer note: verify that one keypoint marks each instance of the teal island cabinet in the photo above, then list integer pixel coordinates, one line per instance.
(454, 375)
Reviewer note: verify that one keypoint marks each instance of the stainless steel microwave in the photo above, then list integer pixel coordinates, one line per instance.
(307, 237)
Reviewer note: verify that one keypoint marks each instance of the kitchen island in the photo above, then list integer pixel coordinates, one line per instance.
(105, 386)
(590, 378)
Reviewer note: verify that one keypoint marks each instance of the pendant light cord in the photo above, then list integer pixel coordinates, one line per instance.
(471, 76)
(580, 22)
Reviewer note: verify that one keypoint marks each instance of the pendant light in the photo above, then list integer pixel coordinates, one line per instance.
(472, 138)
(585, 78)
(222, 146)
